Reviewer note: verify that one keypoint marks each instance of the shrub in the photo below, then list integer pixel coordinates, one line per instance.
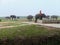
(0, 20)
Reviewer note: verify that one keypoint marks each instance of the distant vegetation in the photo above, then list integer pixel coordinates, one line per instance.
(0, 20)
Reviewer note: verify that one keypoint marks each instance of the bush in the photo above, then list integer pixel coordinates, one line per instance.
(0, 20)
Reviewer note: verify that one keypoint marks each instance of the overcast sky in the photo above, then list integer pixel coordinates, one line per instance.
(26, 7)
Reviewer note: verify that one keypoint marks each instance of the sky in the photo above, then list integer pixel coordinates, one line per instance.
(29, 7)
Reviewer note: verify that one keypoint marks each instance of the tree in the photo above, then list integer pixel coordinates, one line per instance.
(30, 17)
(13, 17)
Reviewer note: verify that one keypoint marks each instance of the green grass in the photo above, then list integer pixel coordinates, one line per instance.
(9, 22)
(27, 31)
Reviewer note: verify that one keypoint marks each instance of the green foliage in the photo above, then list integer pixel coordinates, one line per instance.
(0, 20)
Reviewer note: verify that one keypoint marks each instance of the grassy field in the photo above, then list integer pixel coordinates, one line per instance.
(27, 31)
(9, 22)
(28, 34)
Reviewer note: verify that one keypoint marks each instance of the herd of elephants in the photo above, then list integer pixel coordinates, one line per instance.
(37, 16)
(41, 16)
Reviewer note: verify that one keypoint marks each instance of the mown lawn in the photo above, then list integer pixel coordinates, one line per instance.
(28, 31)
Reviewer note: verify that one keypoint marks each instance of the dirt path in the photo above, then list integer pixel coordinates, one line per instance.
(6, 27)
(12, 26)
(30, 23)
(49, 25)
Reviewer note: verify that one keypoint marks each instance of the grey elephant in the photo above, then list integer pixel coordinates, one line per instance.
(39, 16)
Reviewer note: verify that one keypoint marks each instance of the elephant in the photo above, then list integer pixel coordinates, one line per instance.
(54, 17)
(30, 17)
(39, 16)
